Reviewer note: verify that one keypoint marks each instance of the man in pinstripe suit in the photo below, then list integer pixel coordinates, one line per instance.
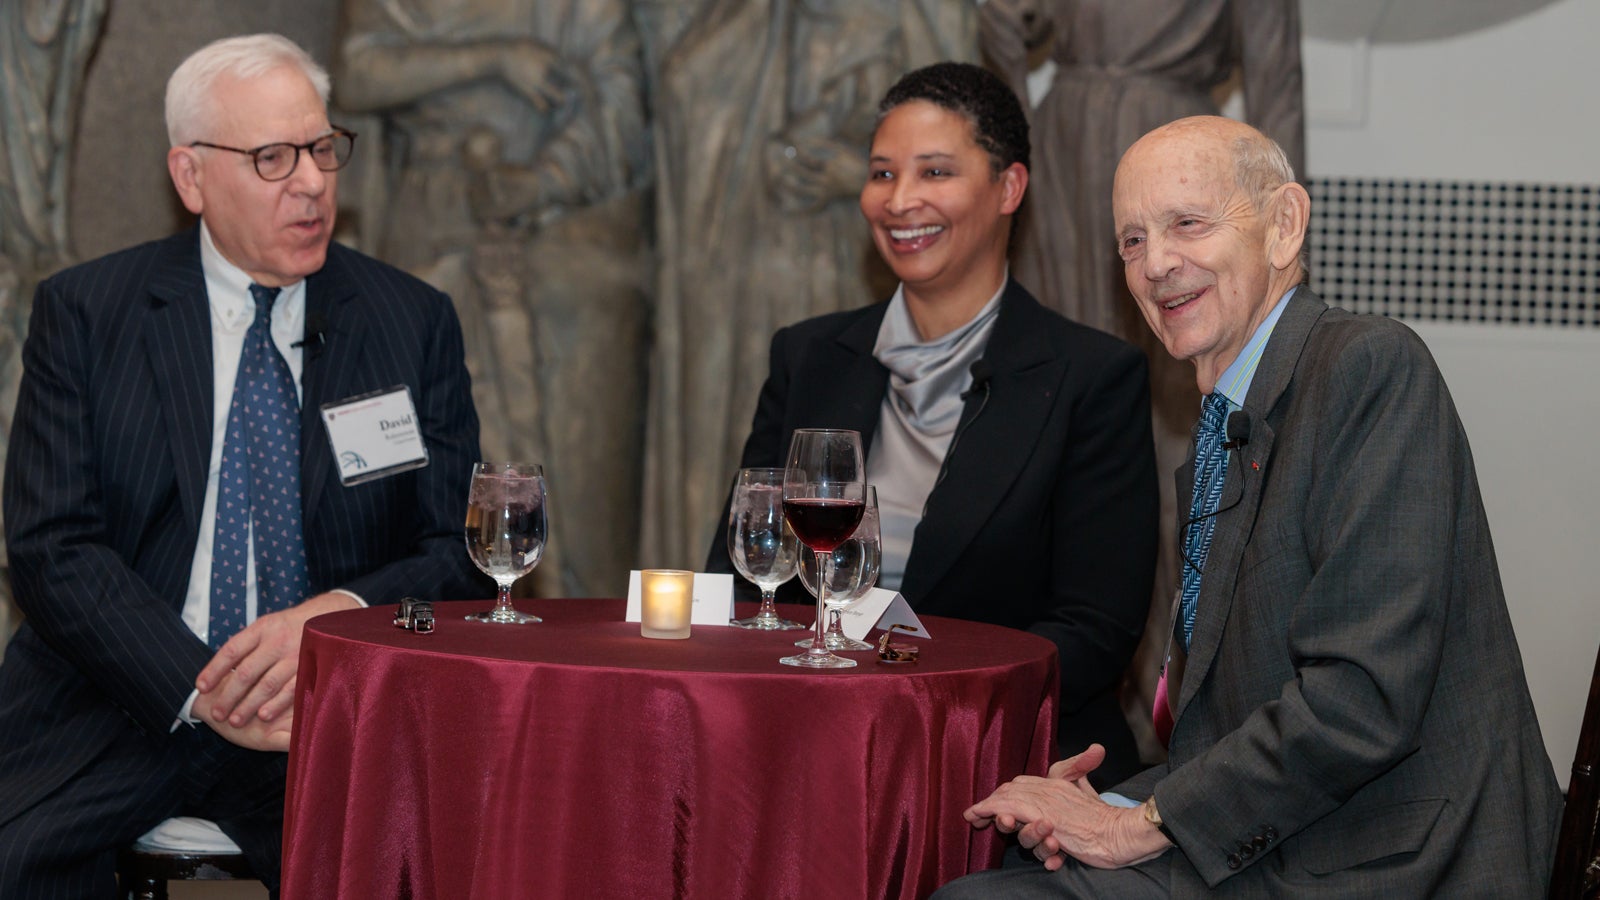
(114, 712)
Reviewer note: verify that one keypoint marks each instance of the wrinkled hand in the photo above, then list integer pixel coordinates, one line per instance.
(1007, 818)
(1062, 815)
(1075, 768)
(259, 734)
(252, 676)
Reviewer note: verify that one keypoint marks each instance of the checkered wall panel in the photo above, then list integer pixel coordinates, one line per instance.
(1513, 254)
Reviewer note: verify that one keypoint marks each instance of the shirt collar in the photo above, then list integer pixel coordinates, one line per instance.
(228, 290)
(1236, 378)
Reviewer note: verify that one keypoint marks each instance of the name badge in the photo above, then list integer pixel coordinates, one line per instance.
(374, 435)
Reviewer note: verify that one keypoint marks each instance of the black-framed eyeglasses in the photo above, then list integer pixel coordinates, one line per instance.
(275, 162)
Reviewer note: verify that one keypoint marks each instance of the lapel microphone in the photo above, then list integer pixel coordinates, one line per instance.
(314, 338)
(1238, 431)
(981, 373)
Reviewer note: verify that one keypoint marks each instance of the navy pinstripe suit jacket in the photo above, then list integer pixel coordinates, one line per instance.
(107, 473)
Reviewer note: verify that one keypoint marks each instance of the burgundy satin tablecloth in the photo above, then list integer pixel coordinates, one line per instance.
(575, 758)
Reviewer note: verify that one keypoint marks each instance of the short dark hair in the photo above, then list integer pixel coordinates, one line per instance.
(999, 125)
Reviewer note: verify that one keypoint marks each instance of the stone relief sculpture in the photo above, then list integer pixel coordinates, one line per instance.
(46, 46)
(764, 110)
(1124, 67)
(518, 157)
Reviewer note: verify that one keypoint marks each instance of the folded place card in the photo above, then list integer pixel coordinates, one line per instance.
(880, 608)
(713, 599)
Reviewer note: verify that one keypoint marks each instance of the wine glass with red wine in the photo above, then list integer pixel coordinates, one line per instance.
(824, 496)
(855, 570)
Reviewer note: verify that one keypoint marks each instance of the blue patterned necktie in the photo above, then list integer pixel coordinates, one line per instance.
(259, 487)
(1210, 471)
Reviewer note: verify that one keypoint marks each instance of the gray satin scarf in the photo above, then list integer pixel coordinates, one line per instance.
(917, 418)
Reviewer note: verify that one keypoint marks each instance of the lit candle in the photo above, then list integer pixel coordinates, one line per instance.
(667, 597)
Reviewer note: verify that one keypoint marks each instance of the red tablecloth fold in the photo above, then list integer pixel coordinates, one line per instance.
(576, 758)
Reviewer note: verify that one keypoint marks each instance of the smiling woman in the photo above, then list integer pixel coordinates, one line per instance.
(940, 208)
(1010, 447)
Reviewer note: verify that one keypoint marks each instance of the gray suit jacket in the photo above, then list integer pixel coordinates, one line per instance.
(1353, 719)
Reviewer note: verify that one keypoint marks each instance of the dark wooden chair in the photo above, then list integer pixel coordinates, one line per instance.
(1577, 871)
(143, 870)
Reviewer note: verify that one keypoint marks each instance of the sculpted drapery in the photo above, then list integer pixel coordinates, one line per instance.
(46, 46)
(764, 110)
(518, 154)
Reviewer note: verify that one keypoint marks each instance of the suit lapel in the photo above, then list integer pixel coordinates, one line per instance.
(1176, 657)
(854, 381)
(1245, 482)
(991, 453)
(177, 340)
(329, 368)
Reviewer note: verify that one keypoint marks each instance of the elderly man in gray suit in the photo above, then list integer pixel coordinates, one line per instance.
(1345, 702)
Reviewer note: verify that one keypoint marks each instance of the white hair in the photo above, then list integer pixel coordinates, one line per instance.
(189, 101)
(1260, 167)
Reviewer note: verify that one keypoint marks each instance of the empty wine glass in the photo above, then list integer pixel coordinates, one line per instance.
(824, 496)
(856, 564)
(505, 530)
(760, 542)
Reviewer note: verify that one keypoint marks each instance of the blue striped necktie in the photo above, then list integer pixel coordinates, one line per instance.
(1210, 471)
(258, 489)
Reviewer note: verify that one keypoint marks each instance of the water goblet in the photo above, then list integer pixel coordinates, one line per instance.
(506, 530)
(760, 542)
(824, 497)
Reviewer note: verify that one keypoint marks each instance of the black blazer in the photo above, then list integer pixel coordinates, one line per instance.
(1046, 520)
(106, 478)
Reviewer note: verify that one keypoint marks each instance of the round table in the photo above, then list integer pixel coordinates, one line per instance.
(576, 758)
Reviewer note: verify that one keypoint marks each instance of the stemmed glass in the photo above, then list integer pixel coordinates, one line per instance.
(856, 564)
(505, 530)
(760, 542)
(824, 496)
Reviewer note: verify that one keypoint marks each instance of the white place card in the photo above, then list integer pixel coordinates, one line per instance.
(880, 608)
(375, 435)
(713, 599)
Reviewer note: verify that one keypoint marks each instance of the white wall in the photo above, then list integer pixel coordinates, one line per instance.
(1511, 103)
(1529, 402)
